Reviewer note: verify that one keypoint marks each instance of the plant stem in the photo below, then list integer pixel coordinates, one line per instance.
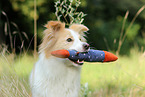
(35, 29)
(121, 34)
(134, 18)
(11, 40)
(121, 40)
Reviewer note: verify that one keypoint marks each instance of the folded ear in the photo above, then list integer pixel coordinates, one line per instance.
(55, 25)
(79, 28)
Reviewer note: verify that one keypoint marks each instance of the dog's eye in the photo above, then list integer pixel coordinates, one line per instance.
(69, 40)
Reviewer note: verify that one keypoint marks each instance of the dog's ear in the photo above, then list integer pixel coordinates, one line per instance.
(55, 25)
(79, 28)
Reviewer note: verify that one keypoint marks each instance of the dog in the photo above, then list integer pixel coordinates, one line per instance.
(58, 77)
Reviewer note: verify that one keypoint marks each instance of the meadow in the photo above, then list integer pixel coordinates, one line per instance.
(123, 78)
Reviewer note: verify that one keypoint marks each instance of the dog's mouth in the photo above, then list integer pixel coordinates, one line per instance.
(77, 63)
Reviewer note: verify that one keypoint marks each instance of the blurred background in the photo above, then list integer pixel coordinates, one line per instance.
(104, 19)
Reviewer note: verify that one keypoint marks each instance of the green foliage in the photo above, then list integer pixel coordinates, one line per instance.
(26, 7)
(66, 10)
(104, 19)
(132, 33)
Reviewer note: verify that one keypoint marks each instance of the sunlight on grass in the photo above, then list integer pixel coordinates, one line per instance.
(123, 76)
(14, 75)
(24, 65)
(21, 65)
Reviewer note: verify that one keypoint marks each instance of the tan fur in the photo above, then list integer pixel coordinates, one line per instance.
(80, 29)
(55, 25)
(55, 37)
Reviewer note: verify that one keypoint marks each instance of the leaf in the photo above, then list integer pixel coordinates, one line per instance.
(71, 1)
(62, 11)
(15, 32)
(25, 35)
(6, 29)
(81, 21)
(66, 8)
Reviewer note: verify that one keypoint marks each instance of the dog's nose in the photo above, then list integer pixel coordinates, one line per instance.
(86, 46)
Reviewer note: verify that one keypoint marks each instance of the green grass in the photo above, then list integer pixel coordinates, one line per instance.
(123, 78)
(14, 75)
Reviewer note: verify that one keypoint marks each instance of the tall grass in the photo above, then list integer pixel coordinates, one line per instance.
(12, 86)
(14, 68)
(124, 33)
(14, 74)
(123, 78)
(35, 29)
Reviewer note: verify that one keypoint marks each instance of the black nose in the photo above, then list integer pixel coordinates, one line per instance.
(86, 46)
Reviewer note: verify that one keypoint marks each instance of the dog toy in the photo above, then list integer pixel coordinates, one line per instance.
(89, 56)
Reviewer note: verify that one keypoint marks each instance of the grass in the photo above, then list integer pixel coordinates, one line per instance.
(123, 78)
(14, 75)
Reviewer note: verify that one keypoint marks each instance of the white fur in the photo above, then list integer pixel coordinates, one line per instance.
(56, 77)
(77, 45)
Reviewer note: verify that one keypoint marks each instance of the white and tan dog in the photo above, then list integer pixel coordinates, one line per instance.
(56, 77)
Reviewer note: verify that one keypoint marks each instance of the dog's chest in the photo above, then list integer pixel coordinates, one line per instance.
(52, 81)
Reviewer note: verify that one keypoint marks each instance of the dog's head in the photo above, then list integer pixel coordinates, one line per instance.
(57, 37)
